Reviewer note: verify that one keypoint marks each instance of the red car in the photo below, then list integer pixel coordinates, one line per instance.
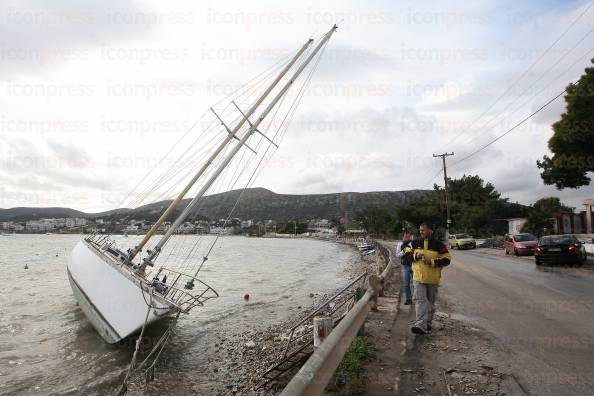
(520, 244)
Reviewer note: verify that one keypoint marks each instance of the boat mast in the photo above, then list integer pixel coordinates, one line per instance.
(253, 128)
(231, 134)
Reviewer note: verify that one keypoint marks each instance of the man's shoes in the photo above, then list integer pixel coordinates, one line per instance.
(418, 330)
(408, 302)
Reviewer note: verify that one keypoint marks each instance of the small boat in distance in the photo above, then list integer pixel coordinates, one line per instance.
(363, 244)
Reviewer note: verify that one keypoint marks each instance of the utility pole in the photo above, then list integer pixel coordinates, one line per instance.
(445, 179)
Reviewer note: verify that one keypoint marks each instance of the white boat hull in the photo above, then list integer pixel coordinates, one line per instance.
(109, 295)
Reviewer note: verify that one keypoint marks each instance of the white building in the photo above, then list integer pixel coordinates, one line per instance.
(514, 226)
(247, 223)
(41, 225)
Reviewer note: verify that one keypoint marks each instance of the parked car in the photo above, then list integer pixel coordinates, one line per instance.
(520, 244)
(461, 241)
(560, 249)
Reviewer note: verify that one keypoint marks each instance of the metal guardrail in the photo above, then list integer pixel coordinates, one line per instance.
(315, 374)
(387, 253)
(300, 344)
(328, 303)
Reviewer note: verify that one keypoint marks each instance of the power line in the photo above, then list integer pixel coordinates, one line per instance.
(513, 84)
(433, 178)
(522, 105)
(512, 128)
(537, 80)
(522, 75)
(508, 131)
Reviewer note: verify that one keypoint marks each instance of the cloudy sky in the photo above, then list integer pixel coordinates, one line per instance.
(91, 95)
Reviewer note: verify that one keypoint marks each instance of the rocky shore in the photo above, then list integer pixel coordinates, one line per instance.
(238, 360)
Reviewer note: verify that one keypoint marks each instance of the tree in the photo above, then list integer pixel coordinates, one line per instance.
(540, 215)
(374, 220)
(424, 208)
(551, 205)
(476, 207)
(292, 227)
(571, 143)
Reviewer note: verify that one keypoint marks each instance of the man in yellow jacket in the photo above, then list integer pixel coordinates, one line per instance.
(430, 257)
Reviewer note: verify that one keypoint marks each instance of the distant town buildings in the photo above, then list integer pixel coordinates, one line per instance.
(322, 227)
(44, 224)
(51, 224)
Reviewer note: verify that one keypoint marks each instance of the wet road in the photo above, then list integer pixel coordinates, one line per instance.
(544, 316)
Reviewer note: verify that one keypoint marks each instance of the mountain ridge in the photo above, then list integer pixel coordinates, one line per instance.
(256, 204)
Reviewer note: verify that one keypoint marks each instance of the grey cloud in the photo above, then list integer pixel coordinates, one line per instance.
(519, 180)
(53, 167)
(36, 35)
(32, 182)
(341, 59)
(315, 182)
(75, 156)
(391, 122)
(522, 183)
(551, 114)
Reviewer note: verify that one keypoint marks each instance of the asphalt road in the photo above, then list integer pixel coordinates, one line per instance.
(543, 316)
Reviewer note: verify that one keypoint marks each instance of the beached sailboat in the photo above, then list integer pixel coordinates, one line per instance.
(121, 292)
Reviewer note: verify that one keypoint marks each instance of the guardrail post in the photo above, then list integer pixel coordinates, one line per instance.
(359, 293)
(322, 327)
(315, 374)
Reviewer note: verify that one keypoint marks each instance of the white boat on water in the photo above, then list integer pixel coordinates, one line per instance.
(363, 244)
(113, 295)
(120, 292)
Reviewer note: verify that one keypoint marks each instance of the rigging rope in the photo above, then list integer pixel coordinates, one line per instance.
(255, 173)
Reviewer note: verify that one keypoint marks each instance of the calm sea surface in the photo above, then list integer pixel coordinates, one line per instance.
(47, 346)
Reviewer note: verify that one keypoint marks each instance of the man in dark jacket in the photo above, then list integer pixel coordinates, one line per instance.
(404, 251)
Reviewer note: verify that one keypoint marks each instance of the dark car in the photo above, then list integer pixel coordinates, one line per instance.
(560, 249)
(520, 244)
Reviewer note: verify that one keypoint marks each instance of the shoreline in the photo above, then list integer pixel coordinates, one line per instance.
(244, 355)
(213, 339)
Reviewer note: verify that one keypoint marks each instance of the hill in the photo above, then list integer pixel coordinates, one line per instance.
(255, 203)
(24, 214)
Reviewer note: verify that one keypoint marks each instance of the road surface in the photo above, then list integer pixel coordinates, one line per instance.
(543, 316)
